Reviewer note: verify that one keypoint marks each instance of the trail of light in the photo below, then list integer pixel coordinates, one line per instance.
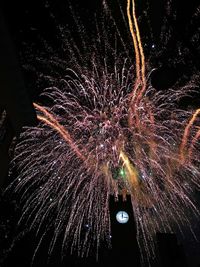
(54, 124)
(132, 172)
(134, 37)
(194, 140)
(139, 44)
(140, 83)
(48, 114)
(186, 135)
(139, 53)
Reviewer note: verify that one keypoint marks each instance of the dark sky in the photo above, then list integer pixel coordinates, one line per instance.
(32, 18)
(29, 19)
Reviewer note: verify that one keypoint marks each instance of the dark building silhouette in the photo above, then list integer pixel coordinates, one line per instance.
(16, 109)
(171, 254)
(124, 251)
(125, 248)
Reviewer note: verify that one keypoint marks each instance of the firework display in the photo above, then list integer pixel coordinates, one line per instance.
(106, 131)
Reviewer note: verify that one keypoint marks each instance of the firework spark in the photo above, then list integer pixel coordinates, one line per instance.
(109, 133)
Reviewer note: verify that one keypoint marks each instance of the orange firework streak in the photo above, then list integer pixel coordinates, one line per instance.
(194, 140)
(186, 135)
(54, 124)
(140, 83)
(132, 172)
(142, 59)
(139, 54)
(137, 58)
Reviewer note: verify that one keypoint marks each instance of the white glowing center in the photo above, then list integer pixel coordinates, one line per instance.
(122, 217)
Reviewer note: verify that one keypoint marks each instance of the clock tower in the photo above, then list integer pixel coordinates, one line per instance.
(125, 250)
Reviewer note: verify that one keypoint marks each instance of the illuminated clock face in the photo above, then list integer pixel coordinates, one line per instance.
(122, 216)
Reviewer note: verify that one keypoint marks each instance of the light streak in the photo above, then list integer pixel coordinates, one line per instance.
(186, 135)
(53, 123)
(131, 172)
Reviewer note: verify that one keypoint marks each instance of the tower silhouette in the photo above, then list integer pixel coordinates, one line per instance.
(124, 243)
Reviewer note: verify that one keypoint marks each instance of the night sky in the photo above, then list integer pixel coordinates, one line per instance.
(32, 21)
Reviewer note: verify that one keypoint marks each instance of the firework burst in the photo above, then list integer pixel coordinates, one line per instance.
(107, 131)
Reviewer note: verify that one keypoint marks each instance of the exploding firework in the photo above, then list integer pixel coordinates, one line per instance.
(106, 131)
